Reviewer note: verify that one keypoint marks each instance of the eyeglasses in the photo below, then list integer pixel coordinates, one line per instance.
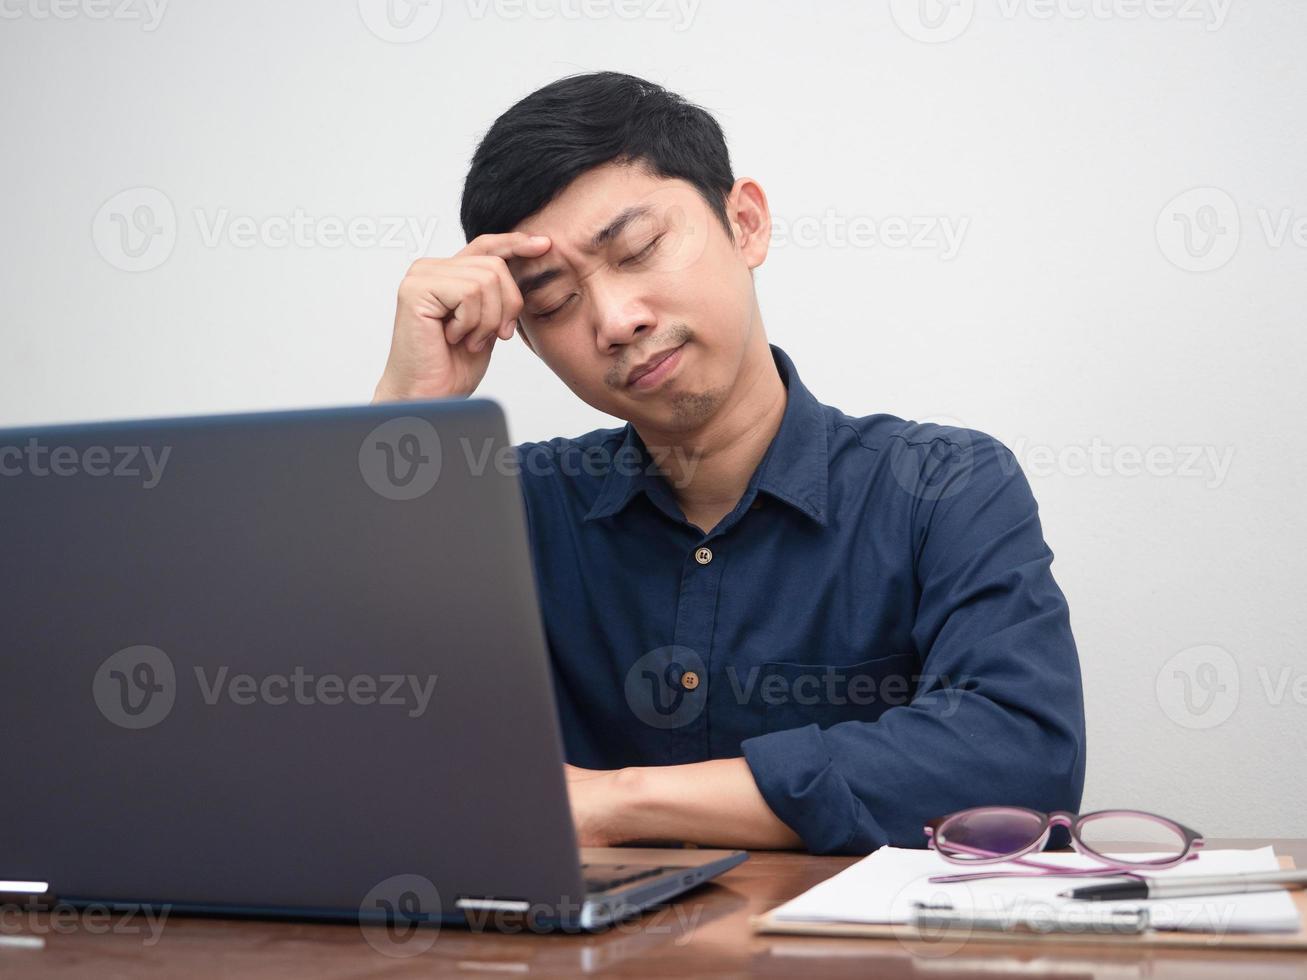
(995, 834)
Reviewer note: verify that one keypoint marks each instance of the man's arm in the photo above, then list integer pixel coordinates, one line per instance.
(997, 717)
(716, 804)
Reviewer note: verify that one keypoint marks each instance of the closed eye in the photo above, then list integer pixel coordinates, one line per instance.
(548, 313)
(643, 253)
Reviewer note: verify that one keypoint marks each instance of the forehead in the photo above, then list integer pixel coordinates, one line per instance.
(591, 202)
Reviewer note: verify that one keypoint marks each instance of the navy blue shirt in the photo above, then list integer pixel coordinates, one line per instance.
(874, 627)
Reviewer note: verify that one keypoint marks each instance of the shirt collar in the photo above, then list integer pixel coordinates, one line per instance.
(794, 469)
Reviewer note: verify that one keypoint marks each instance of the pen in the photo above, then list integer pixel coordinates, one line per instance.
(1187, 885)
(1124, 921)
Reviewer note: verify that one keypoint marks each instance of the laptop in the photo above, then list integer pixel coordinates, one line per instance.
(292, 665)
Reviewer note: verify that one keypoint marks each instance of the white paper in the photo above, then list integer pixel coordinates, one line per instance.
(889, 885)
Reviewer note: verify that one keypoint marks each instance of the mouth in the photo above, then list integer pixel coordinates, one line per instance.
(654, 371)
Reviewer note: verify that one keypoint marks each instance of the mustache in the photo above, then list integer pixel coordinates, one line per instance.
(673, 336)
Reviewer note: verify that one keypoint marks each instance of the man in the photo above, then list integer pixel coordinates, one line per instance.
(772, 625)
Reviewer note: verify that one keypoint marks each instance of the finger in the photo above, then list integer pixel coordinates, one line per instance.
(510, 300)
(430, 295)
(492, 306)
(513, 302)
(429, 306)
(467, 314)
(513, 244)
(478, 312)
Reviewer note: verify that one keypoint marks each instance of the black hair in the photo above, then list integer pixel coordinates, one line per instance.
(555, 134)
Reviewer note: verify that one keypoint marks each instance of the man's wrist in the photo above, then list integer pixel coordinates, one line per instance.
(649, 805)
(387, 392)
(632, 804)
(715, 803)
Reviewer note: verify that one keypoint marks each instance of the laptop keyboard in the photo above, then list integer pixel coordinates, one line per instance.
(602, 877)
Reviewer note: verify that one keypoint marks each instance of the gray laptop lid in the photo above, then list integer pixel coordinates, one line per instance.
(277, 662)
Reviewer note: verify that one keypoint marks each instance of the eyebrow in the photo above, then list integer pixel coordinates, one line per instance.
(598, 240)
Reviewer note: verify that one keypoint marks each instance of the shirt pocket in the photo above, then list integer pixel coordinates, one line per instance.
(798, 694)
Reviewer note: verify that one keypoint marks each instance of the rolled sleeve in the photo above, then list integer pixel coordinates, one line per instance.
(806, 790)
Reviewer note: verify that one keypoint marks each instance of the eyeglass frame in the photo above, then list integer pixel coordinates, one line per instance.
(1193, 843)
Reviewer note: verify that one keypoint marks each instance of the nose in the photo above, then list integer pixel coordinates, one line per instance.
(620, 315)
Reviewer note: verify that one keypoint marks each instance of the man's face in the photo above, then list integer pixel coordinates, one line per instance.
(638, 266)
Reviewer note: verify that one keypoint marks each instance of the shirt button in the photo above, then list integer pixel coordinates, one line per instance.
(703, 556)
(689, 680)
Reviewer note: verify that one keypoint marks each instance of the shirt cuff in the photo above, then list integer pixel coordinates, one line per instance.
(798, 779)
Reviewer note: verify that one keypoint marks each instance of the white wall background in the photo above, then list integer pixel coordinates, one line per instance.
(1074, 319)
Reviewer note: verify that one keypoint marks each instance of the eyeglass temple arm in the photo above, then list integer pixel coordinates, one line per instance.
(1048, 871)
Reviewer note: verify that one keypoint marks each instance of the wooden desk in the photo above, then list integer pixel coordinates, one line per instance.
(706, 933)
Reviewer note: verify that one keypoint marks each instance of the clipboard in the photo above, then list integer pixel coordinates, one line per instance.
(957, 938)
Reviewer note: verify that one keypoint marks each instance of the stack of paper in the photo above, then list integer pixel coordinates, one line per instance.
(890, 885)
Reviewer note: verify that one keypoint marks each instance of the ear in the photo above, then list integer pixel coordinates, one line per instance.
(750, 220)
